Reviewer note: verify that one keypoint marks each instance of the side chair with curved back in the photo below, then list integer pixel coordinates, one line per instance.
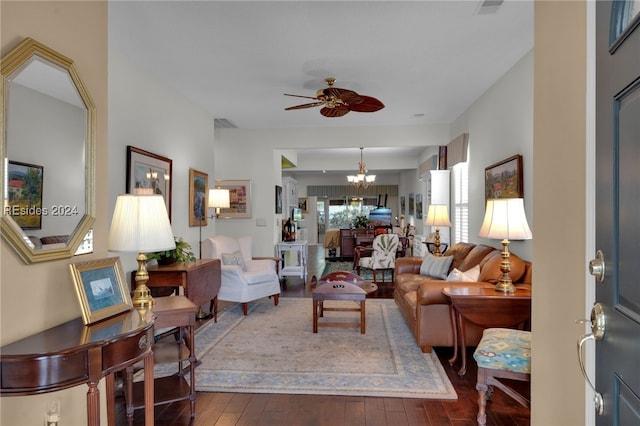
(383, 256)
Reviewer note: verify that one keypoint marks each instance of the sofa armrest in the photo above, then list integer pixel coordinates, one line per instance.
(407, 265)
(276, 260)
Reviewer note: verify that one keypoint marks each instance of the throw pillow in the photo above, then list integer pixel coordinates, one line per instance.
(234, 258)
(467, 276)
(437, 267)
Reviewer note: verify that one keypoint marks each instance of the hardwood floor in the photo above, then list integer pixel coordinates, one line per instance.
(226, 409)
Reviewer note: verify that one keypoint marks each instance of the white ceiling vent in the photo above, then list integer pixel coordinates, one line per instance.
(488, 7)
(223, 123)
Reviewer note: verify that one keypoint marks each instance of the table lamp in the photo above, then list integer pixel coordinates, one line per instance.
(505, 219)
(437, 215)
(140, 224)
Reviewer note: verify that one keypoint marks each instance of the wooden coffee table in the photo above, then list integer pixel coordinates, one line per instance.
(486, 308)
(338, 290)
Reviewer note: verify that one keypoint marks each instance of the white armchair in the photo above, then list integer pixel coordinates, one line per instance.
(244, 278)
(383, 256)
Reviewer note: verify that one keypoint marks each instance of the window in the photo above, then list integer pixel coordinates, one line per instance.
(461, 202)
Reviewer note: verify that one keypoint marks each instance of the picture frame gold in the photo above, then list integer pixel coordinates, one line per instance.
(198, 197)
(101, 288)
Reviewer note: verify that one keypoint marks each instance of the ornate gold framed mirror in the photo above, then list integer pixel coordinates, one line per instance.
(48, 154)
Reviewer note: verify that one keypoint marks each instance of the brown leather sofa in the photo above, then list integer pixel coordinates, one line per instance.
(426, 309)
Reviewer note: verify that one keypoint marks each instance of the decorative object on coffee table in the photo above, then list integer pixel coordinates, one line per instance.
(505, 219)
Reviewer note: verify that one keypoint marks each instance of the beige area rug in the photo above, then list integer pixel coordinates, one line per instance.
(274, 350)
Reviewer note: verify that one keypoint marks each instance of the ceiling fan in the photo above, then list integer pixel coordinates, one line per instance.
(337, 102)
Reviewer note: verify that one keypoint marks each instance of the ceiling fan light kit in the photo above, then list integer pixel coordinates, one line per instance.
(337, 102)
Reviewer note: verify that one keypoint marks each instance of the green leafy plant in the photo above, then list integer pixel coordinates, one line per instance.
(360, 221)
(182, 253)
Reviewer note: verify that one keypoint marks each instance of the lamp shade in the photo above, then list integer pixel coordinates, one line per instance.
(505, 218)
(140, 224)
(437, 215)
(219, 198)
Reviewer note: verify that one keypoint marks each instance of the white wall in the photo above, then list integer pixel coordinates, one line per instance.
(249, 154)
(500, 124)
(146, 113)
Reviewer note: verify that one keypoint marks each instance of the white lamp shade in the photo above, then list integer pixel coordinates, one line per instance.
(140, 224)
(219, 198)
(505, 218)
(437, 215)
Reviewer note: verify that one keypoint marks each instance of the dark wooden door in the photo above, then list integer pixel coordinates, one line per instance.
(618, 210)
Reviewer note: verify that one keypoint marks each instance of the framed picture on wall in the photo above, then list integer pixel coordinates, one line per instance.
(239, 199)
(303, 204)
(442, 158)
(149, 173)
(278, 199)
(418, 206)
(504, 179)
(198, 191)
(411, 204)
(403, 207)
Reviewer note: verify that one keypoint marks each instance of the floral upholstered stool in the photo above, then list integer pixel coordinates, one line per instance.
(502, 354)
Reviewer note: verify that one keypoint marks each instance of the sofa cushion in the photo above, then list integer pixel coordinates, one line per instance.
(459, 251)
(411, 285)
(474, 256)
(433, 266)
(490, 268)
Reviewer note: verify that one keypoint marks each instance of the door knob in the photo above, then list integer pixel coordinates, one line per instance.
(596, 266)
(598, 326)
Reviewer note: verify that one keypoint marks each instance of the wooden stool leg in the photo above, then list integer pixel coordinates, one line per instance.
(482, 387)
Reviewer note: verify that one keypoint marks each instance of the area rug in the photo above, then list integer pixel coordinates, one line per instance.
(274, 350)
(348, 266)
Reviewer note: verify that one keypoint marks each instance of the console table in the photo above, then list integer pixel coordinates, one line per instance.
(200, 280)
(298, 268)
(486, 308)
(72, 353)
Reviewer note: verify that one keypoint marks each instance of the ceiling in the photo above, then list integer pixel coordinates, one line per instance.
(427, 61)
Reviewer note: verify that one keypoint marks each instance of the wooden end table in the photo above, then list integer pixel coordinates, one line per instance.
(486, 308)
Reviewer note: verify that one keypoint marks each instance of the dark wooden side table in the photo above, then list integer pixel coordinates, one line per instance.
(486, 308)
(200, 280)
(71, 354)
(171, 311)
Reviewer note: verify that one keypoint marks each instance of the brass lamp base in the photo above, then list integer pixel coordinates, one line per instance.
(436, 244)
(504, 284)
(142, 295)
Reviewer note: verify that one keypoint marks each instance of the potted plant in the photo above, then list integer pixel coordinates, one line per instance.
(360, 221)
(182, 253)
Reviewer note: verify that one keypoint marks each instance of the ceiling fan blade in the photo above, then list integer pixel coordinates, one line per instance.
(300, 96)
(368, 104)
(303, 106)
(338, 111)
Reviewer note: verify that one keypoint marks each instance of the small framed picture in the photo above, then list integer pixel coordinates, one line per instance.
(101, 288)
(198, 182)
(278, 199)
(303, 204)
(25, 194)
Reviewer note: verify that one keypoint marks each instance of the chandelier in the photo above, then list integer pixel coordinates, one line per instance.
(361, 180)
